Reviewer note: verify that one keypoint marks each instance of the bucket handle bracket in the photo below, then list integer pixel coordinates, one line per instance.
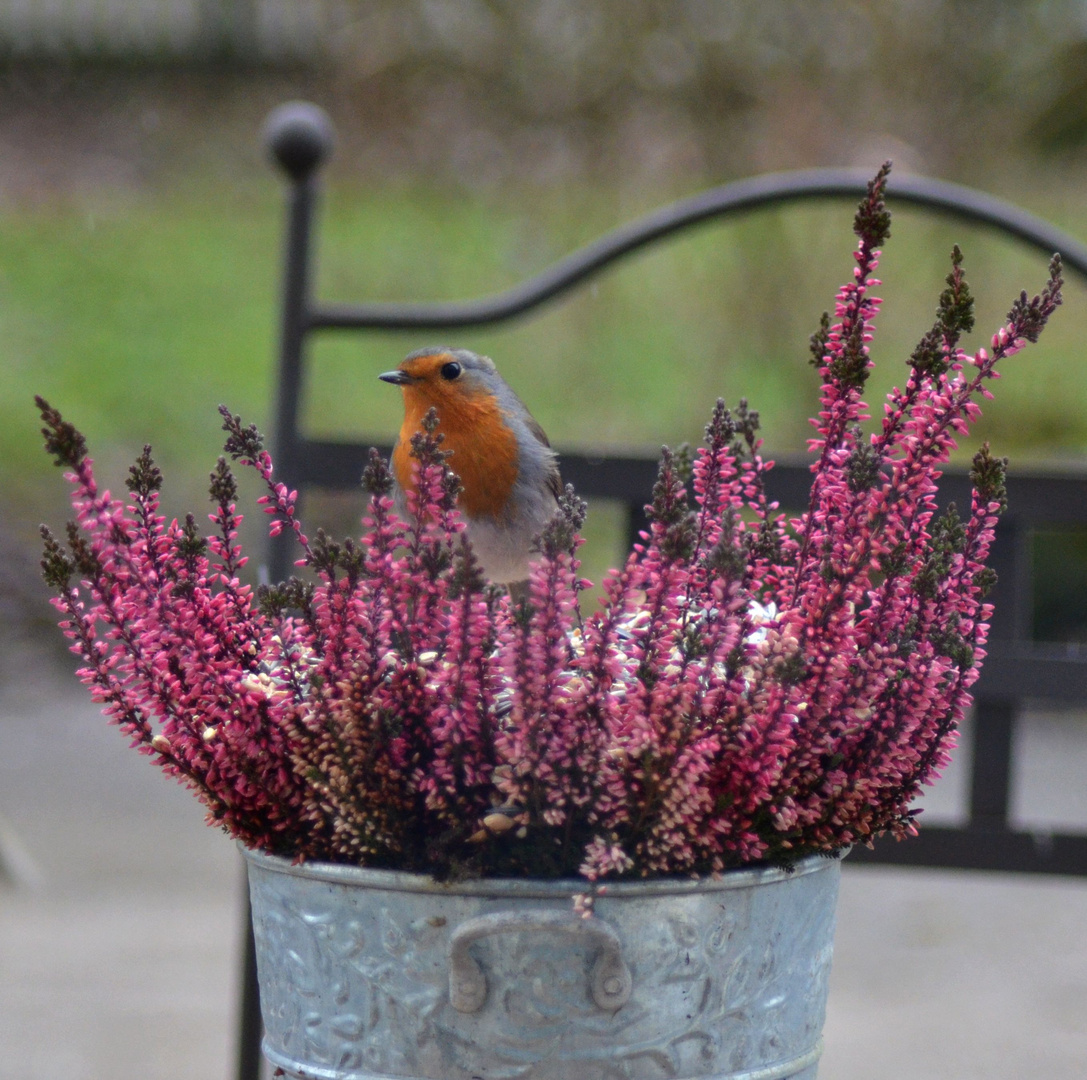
(610, 979)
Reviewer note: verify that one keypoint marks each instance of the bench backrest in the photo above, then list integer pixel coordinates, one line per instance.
(1017, 669)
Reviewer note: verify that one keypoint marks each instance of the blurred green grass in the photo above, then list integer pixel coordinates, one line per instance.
(138, 314)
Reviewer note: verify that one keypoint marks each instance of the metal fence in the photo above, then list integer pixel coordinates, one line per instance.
(1018, 669)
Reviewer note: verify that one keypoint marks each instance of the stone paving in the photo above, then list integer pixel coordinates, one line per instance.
(121, 961)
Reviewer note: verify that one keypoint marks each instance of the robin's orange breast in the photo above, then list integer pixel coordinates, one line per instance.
(483, 448)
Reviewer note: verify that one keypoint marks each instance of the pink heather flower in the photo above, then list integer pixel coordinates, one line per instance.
(752, 688)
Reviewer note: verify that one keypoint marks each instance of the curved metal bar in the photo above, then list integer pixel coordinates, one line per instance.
(773, 188)
(609, 981)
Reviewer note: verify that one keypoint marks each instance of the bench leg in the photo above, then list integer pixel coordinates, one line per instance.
(250, 1027)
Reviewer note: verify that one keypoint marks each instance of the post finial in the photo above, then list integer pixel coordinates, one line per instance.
(300, 137)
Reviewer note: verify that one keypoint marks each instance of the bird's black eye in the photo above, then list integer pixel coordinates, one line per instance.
(451, 370)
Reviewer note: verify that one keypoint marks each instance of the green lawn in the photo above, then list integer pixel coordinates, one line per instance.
(139, 317)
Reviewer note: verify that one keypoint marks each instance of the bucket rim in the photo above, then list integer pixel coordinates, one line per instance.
(744, 877)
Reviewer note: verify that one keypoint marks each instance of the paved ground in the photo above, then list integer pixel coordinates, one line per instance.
(122, 962)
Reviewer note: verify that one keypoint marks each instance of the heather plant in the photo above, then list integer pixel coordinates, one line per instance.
(752, 688)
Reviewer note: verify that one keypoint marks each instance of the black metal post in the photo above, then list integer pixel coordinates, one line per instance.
(991, 767)
(995, 717)
(250, 1026)
(637, 523)
(300, 138)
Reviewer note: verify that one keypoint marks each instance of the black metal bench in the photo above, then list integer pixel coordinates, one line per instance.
(1017, 670)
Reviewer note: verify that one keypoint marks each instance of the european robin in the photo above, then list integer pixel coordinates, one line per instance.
(507, 469)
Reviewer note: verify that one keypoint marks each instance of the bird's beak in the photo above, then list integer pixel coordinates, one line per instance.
(397, 378)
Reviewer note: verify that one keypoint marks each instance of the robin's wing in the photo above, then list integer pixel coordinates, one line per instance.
(554, 479)
(534, 427)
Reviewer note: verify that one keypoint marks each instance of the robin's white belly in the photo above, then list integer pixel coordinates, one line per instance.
(504, 550)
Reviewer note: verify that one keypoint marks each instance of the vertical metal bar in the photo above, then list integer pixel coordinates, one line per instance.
(291, 356)
(637, 523)
(995, 718)
(300, 137)
(991, 769)
(250, 1025)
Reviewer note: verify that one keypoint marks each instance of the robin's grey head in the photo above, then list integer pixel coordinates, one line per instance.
(441, 370)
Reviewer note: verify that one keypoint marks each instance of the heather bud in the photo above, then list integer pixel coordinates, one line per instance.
(62, 440)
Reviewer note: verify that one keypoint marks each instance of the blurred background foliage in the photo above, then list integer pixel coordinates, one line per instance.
(479, 140)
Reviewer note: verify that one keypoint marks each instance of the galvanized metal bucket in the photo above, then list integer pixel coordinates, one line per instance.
(375, 975)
